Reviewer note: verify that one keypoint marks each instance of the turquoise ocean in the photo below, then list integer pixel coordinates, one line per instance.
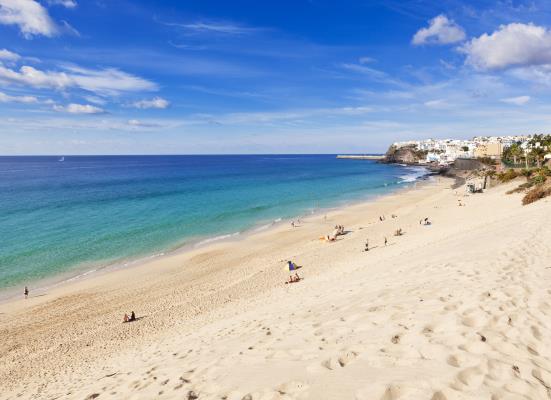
(61, 217)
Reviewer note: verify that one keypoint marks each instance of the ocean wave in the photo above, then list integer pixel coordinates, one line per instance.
(414, 173)
(266, 226)
(216, 238)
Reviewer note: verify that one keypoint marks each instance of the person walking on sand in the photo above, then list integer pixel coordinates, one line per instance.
(26, 292)
(386, 241)
(367, 245)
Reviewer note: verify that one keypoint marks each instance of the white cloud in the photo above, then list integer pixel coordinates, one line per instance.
(518, 101)
(108, 81)
(511, 45)
(441, 30)
(9, 55)
(31, 18)
(5, 98)
(213, 27)
(157, 102)
(95, 100)
(372, 73)
(74, 108)
(64, 3)
(536, 73)
(141, 124)
(438, 104)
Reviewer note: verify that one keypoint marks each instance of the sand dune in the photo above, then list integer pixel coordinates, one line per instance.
(455, 310)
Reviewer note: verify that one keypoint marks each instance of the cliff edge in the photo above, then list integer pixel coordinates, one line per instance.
(404, 155)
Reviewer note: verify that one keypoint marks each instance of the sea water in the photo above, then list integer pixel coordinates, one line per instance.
(66, 216)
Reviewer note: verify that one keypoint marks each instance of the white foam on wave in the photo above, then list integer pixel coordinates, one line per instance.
(216, 238)
(266, 226)
(414, 173)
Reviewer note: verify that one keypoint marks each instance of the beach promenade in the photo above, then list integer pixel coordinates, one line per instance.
(459, 309)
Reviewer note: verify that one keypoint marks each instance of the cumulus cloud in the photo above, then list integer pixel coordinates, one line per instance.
(30, 16)
(9, 55)
(6, 98)
(511, 45)
(108, 81)
(517, 101)
(74, 108)
(157, 102)
(63, 3)
(441, 30)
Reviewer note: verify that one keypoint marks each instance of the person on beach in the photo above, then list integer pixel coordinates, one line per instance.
(293, 224)
(367, 245)
(293, 279)
(26, 292)
(132, 317)
(386, 241)
(125, 319)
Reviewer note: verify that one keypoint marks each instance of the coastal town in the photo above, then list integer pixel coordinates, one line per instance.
(531, 149)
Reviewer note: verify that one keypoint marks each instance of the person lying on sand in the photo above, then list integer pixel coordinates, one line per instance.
(328, 238)
(293, 279)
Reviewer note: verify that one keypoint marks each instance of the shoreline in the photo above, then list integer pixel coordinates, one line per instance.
(77, 274)
(222, 318)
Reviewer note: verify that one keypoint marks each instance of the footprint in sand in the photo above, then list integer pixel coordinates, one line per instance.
(395, 391)
(471, 377)
(293, 388)
(340, 361)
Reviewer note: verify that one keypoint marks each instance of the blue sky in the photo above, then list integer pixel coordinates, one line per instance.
(301, 76)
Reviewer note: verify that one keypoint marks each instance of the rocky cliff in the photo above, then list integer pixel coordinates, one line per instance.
(404, 155)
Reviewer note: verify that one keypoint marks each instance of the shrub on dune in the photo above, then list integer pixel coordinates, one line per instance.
(539, 191)
(507, 175)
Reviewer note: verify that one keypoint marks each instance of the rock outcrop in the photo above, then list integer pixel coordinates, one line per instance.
(404, 155)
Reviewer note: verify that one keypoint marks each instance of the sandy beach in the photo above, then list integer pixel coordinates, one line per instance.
(458, 309)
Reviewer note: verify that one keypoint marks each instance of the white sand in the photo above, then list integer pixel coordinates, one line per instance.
(456, 310)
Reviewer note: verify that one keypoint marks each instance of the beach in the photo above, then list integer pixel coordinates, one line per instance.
(457, 309)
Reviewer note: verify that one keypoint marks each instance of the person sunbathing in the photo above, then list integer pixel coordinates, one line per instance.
(293, 279)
